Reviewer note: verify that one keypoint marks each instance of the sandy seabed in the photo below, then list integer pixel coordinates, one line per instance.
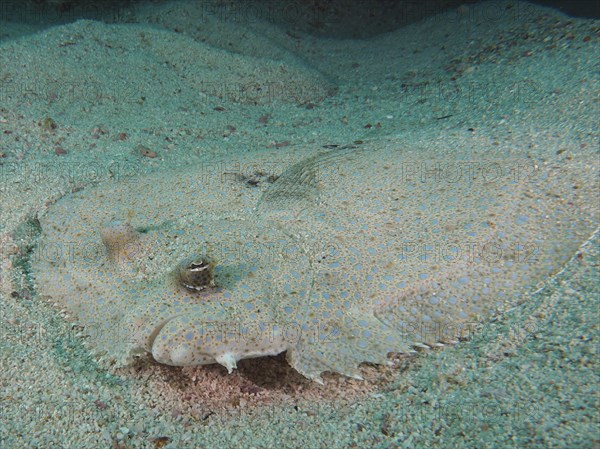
(171, 86)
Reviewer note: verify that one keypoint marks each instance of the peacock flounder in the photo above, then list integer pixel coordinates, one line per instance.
(350, 255)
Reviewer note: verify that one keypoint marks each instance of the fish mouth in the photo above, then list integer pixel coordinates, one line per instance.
(154, 344)
(168, 344)
(184, 340)
(158, 347)
(159, 327)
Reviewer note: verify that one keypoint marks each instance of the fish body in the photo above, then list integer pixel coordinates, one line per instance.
(348, 256)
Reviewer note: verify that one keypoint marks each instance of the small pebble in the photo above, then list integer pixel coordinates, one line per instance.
(145, 151)
(49, 124)
(100, 129)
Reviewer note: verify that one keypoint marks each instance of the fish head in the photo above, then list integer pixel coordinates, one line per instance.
(239, 293)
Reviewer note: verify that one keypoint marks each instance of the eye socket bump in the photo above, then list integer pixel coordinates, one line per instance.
(196, 274)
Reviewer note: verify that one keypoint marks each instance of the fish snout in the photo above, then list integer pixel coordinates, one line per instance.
(191, 341)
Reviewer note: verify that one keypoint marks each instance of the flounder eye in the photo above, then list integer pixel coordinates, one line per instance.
(195, 274)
